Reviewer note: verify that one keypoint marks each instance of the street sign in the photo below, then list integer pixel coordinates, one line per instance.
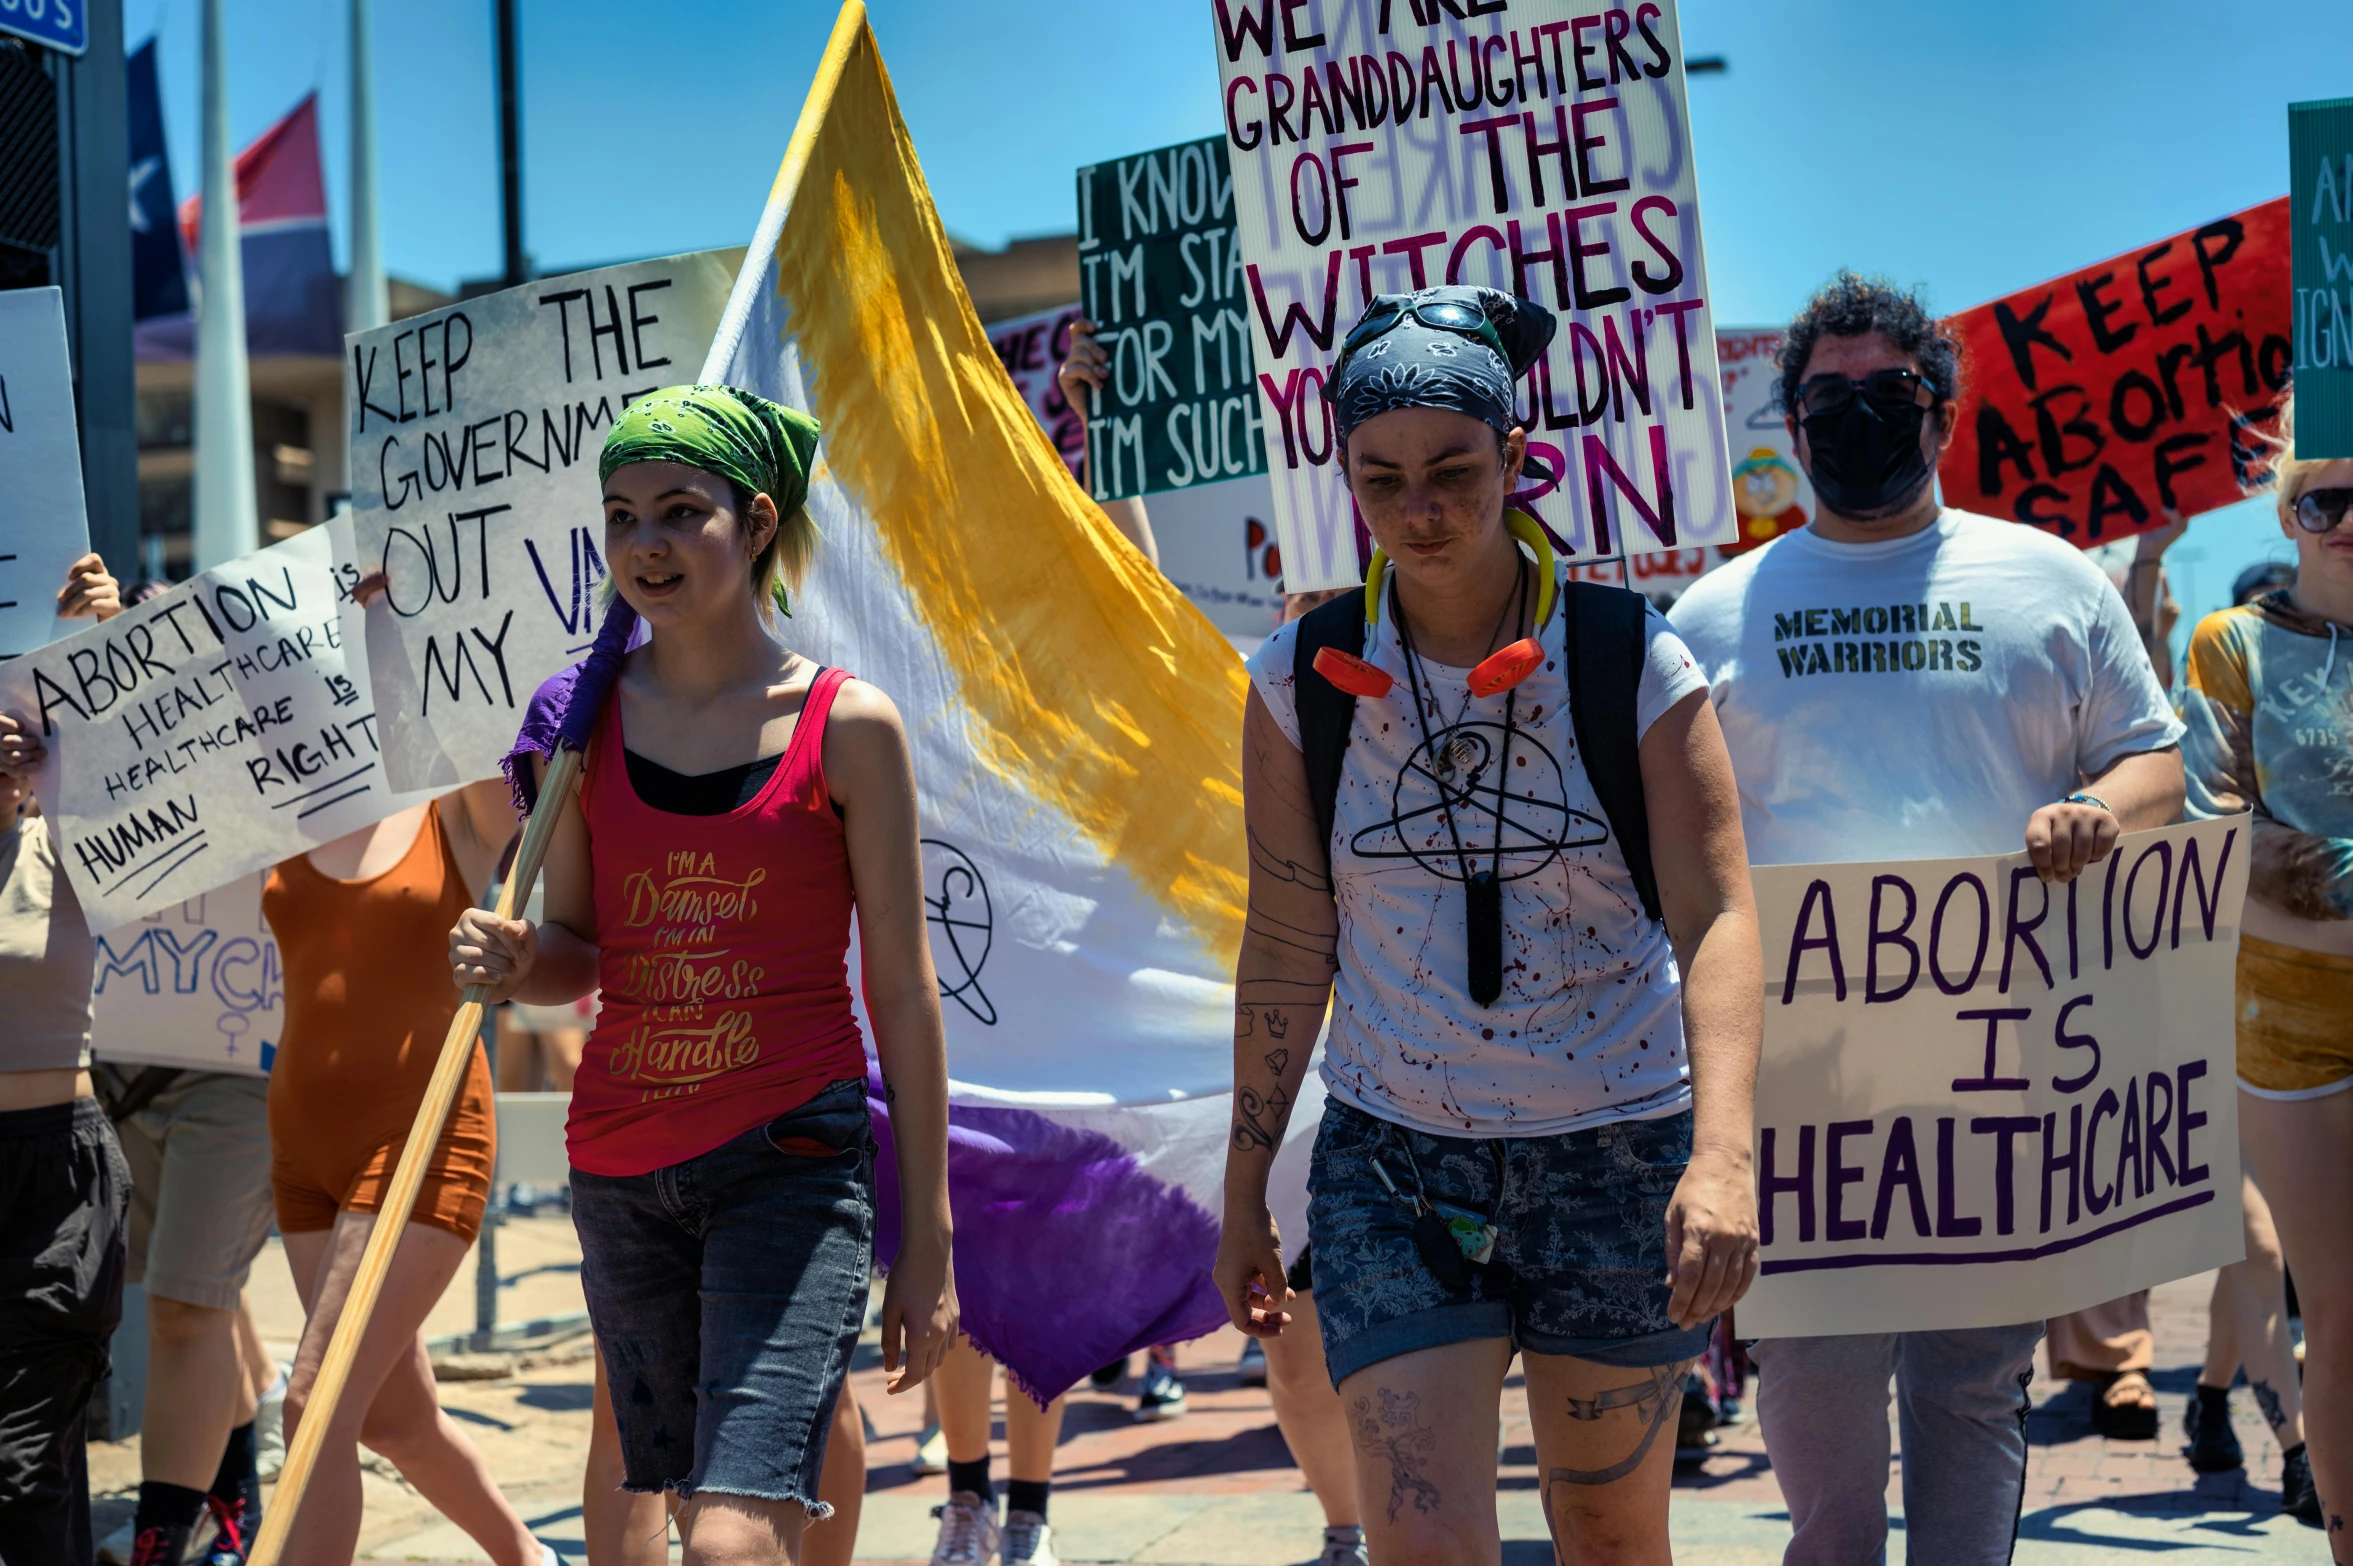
(59, 24)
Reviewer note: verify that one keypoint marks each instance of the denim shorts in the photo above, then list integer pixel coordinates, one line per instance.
(1580, 1260)
(727, 1293)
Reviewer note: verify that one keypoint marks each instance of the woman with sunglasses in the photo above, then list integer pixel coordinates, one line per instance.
(1540, 1095)
(2269, 703)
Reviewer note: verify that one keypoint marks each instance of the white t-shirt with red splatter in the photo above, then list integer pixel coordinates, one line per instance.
(1589, 1027)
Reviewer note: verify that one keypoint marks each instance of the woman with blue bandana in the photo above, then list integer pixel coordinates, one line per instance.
(1544, 1035)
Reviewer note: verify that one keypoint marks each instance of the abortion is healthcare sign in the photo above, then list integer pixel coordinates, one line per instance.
(1542, 148)
(1987, 1100)
(2093, 404)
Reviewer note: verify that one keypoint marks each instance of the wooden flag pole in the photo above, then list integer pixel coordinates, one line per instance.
(457, 1051)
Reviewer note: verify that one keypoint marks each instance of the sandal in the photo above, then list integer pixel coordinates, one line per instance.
(2124, 1406)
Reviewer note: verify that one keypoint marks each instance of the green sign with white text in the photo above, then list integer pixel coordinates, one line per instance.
(2320, 206)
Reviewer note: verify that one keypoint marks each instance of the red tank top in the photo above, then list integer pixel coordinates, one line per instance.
(722, 944)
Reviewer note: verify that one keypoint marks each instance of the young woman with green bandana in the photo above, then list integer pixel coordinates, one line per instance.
(736, 803)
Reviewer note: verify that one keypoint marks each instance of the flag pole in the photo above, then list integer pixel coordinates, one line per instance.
(457, 1052)
(227, 515)
(848, 27)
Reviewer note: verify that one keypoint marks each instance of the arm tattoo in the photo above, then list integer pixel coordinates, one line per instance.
(1278, 868)
(1393, 1430)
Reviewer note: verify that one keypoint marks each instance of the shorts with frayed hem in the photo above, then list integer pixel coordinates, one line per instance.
(727, 1293)
(2294, 1040)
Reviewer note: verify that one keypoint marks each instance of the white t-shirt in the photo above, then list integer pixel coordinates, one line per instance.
(1917, 698)
(1589, 1027)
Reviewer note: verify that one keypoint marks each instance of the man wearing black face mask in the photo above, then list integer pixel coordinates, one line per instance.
(1901, 681)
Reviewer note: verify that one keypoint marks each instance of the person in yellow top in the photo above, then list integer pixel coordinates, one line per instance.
(2268, 701)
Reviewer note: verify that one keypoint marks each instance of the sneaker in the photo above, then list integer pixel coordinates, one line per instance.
(1163, 1396)
(931, 1452)
(1109, 1376)
(159, 1545)
(269, 1428)
(1028, 1541)
(2214, 1446)
(969, 1535)
(1251, 1372)
(2297, 1497)
(233, 1525)
(1343, 1547)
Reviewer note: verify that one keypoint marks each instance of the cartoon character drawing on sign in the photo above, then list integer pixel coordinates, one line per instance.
(1764, 490)
(962, 926)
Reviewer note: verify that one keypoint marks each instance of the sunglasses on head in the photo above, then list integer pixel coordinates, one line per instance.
(1892, 390)
(1443, 315)
(2320, 510)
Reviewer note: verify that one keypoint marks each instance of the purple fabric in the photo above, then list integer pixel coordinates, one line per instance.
(1068, 1255)
(563, 710)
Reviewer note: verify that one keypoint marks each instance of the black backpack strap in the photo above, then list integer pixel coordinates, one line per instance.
(1606, 644)
(1324, 710)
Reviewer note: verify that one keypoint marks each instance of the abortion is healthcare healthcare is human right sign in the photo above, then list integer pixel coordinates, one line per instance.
(1544, 148)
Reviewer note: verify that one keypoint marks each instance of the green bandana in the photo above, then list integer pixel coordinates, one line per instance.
(764, 446)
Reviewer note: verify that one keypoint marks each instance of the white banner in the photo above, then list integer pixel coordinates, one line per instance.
(198, 985)
(1544, 150)
(208, 733)
(475, 431)
(43, 527)
(1217, 546)
(1985, 1100)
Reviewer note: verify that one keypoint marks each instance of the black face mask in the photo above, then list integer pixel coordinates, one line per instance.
(1866, 461)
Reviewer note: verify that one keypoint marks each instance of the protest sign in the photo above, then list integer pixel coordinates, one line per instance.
(197, 985)
(1986, 1100)
(1217, 547)
(1161, 278)
(2320, 198)
(1032, 348)
(2093, 404)
(1770, 490)
(43, 527)
(475, 431)
(207, 733)
(1380, 148)
(1669, 572)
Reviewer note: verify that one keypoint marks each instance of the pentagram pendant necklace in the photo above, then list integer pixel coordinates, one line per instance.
(1454, 769)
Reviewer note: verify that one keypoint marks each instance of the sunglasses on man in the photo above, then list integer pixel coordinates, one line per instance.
(1891, 391)
(2320, 510)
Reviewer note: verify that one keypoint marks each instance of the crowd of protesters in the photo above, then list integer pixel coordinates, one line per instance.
(1590, 1210)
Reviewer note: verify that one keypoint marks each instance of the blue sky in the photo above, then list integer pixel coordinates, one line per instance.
(1971, 148)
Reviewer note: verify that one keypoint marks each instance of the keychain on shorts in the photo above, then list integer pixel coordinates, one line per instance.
(1450, 1239)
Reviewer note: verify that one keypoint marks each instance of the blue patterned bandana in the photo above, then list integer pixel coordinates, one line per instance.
(1414, 365)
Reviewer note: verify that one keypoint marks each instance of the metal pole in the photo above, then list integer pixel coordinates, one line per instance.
(94, 270)
(370, 306)
(510, 149)
(228, 521)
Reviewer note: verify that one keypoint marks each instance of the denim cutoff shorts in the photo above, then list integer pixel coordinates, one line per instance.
(727, 1293)
(1580, 1259)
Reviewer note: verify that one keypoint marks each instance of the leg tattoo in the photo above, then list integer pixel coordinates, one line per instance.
(2267, 1399)
(1656, 1400)
(1396, 1432)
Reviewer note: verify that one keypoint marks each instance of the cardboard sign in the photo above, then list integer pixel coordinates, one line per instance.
(1217, 546)
(2093, 404)
(1984, 1100)
(1161, 277)
(1669, 573)
(1544, 150)
(1032, 348)
(475, 431)
(196, 985)
(2320, 199)
(1770, 490)
(206, 734)
(43, 527)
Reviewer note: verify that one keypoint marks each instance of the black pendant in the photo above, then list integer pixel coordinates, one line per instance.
(1483, 923)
